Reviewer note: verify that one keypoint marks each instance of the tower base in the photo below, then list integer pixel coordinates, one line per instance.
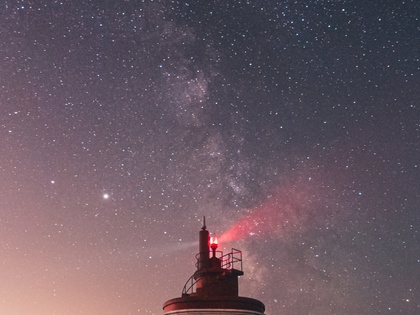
(213, 306)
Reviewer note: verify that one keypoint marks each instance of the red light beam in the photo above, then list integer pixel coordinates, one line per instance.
(280, 212)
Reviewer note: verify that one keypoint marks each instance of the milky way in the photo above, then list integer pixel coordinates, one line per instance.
(293, 126)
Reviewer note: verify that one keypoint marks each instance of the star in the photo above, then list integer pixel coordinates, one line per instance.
(291, 125)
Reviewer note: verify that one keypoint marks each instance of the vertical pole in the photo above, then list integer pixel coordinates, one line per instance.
(204, 246)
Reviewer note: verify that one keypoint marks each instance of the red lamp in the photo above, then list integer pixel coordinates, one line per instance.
(213, 244)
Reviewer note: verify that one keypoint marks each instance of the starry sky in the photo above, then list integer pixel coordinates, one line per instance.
(293, 126)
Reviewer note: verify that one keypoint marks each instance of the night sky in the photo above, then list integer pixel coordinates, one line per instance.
(293, 126)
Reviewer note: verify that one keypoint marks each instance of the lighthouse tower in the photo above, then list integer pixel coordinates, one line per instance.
(213, 288)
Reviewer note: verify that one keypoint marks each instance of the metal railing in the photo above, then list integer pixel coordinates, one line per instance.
(232, 260)
(189, 286)
(229, 261)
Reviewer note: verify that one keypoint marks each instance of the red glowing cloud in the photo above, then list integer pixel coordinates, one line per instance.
(286, 209)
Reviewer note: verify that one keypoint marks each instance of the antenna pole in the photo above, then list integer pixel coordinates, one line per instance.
(204, 223)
